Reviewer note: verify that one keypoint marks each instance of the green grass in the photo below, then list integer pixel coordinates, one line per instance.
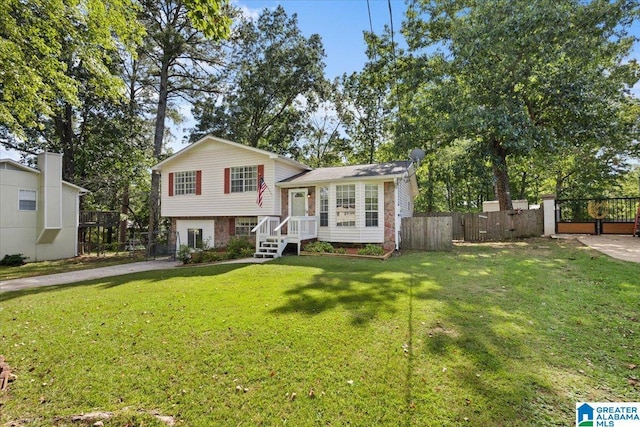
(496, 335)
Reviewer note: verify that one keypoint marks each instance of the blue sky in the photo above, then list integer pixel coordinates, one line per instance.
(340, 23)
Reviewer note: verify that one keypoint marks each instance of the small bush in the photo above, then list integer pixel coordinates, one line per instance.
(340, 251)
(201, 257)
(13, 260)
(184, 254)
(240, 248)
(371, 249)
(319, 247)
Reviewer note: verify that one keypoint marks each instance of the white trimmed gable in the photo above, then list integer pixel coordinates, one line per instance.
(211, 158)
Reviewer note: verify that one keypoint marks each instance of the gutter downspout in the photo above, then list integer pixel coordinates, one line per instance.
(77, 225)
(397, 213)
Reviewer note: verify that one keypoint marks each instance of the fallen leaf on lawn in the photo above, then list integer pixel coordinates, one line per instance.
(632, 366)
(633, 381)
(312, 393)
(293, 396)
(350, 382)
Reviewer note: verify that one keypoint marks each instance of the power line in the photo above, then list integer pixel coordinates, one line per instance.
(395, 62)
(393, 44)
(370, 21)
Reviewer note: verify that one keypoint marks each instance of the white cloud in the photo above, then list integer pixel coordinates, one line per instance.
(246, 11)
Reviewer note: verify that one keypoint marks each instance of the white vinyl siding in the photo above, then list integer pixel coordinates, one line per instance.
(405, 200)
(212, 158)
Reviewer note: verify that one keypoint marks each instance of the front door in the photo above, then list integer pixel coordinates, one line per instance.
(298, 202)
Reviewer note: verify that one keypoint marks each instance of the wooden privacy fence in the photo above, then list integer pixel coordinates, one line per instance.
(427, 233)
(470, 227)
(502, 225)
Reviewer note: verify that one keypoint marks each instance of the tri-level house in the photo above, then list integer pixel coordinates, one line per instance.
(38, 210)
(216, 189)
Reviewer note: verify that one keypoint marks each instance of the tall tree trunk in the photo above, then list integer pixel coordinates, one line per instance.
(500, 172)
(523, 186)
(158, 138)
(64, 133)
(124, 210)
(430, 185)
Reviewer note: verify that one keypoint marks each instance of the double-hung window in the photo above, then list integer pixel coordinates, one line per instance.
(184, 182)
(244, 225)
(194, 238)
(371, 205)
(27, 200)
(346, 205)
(324, 206)
(244, 178)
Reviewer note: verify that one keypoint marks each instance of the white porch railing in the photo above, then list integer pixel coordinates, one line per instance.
(299, 228)
(303, 227)
(266, 228)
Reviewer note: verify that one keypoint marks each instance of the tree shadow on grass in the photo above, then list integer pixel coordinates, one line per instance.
(151, 276)
(493, 377)
(479, 383)
(497, 378)
(363, 292)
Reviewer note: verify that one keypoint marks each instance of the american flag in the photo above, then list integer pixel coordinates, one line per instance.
(261, 188)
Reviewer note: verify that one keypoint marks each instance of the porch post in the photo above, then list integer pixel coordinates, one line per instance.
(549, 211)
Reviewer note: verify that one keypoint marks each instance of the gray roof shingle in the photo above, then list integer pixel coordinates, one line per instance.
(380, 170)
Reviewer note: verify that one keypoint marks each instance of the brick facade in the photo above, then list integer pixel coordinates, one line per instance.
(222, 229)
(389, 216)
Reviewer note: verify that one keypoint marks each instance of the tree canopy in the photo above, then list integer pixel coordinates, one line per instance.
(271, 76)
(522, 79)
(40, 41)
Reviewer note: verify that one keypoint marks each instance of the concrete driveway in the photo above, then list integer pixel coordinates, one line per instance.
(101, 272)
(623, 247)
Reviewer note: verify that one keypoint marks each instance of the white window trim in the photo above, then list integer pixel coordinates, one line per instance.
(249, 184)
(355, 206)
(306, 203)
(377, 205)
(251, 222)
(35, 200)
(319, 209)
(182, 186)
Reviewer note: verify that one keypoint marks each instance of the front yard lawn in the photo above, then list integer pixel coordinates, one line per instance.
(487, 335)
